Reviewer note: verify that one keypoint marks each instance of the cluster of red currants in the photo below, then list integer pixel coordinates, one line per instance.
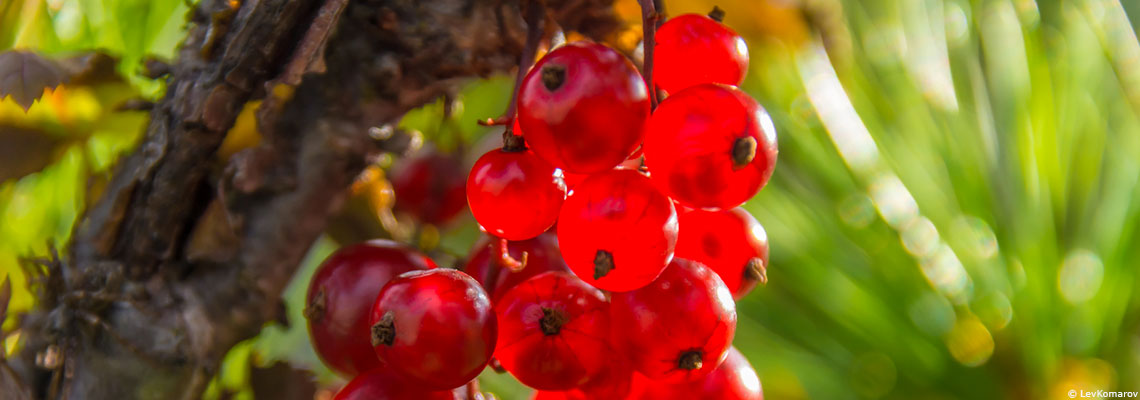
(633, 298)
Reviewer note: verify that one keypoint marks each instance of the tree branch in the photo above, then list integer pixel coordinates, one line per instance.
(183, 257)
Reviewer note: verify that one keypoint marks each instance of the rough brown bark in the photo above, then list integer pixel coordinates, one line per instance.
(185, 255)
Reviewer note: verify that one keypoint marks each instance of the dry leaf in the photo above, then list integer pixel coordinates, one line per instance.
(25, 151)
(24, 76)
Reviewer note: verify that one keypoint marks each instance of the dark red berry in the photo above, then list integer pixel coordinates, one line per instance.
(515, 195)
(734, 379)
(710, 146)
(429, 186)
(383, 384)
(678, 327)
(693, 49)
(730, 242)
(435, 327)
(553, 331)
(541, 256)
(617, 231)
(583, 107)
(340, 294)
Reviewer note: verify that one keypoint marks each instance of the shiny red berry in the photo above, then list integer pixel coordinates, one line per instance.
(730, 242)
(710, 146)
(435, 327)
(383, 384)
(339, 296)
(617, 231)
(734, 379)
(429, 186)
(572, 180)
(515, 195)
(678, 327)
(541, 256)
(583, 107)
(553, 331)
(693, 49)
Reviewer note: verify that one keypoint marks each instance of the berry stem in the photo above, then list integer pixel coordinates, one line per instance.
(649, 20)
(506, 261)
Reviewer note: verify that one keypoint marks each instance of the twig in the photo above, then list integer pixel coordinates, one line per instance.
(535, 16)
(649, 20)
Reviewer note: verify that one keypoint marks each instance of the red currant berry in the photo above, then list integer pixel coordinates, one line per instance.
(436, 327)
(693, 49)
(342, 289)
(734, 379)
(553, 331)
(573, 179)
(616, 231)
(677, 328)
(583, 107)
(383, 384)
(710, 146)
(730, 242)
(614, 381)
(541, 256)
(429, 186)
(515, 195)
(553, 395)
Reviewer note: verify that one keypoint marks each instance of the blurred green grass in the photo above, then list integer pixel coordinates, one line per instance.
(952, 215)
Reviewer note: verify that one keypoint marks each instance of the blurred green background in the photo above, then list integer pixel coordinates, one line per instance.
(952, 215)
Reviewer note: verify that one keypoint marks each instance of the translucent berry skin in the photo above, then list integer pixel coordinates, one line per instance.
(553, 331)
(710, 146)
(730, 242)
(515, 195)
(617, 231)
(572, 180)
(541, 256)
(339, 296)
(734, 379)
(693, 49)
(555, 395)
(583, 107)
(435, 327)
(429, 186)
(383, 384)
(677, 328)
(613, 381)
